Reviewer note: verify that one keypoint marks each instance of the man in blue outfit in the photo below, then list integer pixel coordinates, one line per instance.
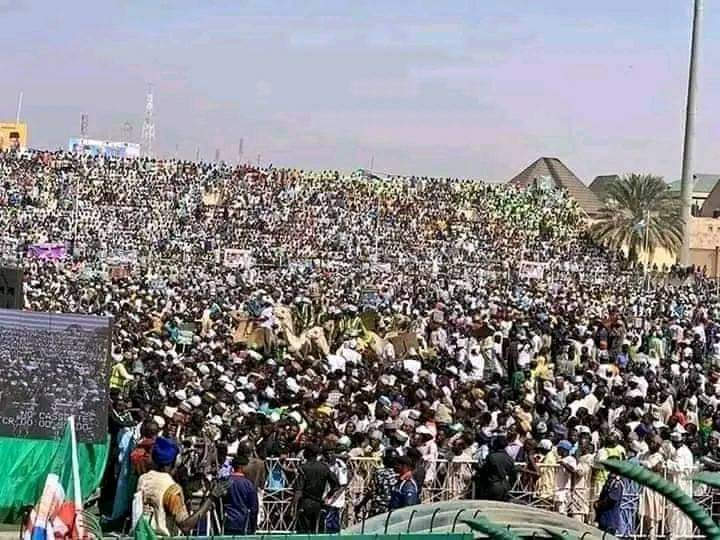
(607, 506)
(405, 492)
(241, 501)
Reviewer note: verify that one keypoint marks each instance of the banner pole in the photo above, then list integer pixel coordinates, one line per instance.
(75, 467)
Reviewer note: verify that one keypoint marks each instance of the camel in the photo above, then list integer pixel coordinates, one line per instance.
(314, 340)
(310, 341)
(251, 334)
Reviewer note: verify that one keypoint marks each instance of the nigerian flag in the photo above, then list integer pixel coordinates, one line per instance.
(27, 463)
(54, 476)
(57, 512)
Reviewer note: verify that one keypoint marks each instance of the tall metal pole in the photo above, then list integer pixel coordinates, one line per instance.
(688, 182)
(19, 108)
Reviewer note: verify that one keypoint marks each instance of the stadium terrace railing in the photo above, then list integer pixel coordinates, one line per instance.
(645, 516)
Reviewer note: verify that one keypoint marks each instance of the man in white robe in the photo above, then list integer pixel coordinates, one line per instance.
(652, 504)
(680, 470)
(580, 500)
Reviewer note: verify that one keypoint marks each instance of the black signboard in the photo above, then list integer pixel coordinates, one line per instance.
(11, 288)
(53, 366)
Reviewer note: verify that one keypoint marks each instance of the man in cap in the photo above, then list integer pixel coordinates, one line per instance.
(163, 498)
(567, 467)
(652, 504)
(381, 486)
(119, 374)
(334, 504)
(680, 468)
(612, 449)
(711, 461)
(405, 493)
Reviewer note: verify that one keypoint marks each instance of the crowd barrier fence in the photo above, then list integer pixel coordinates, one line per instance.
(646, 515)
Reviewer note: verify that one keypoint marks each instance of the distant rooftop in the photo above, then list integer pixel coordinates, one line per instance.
(550, 170)
(704, 183)
(600, 184)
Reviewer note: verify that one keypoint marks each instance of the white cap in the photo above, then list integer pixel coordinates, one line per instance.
(246, 409)
(423, 430)
(169, 412)
(195, 401)
(185, 406)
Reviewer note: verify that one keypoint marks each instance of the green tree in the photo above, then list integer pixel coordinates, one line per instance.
(641, 214)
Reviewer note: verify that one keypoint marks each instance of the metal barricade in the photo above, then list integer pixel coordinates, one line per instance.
(645, 515)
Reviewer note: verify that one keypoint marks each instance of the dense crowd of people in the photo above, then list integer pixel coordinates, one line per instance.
(381, 318)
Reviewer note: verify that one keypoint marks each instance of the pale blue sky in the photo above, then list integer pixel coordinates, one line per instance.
(455, 88)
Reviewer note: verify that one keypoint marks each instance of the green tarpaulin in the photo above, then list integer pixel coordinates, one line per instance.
(25, 464)
(143, 531)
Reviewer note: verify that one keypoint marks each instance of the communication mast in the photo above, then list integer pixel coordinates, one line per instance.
(83, 126)
(127, 130)
(148, 129)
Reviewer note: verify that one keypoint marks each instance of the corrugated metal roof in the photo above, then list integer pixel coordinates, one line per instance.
(704, 183)
(553, 170)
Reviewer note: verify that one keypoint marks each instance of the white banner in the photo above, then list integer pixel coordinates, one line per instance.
(237, 258)
(532, 270)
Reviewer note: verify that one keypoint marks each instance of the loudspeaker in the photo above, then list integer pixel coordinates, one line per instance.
(11, 288)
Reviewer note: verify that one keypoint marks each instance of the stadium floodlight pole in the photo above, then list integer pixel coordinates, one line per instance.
(19, 108)
(688, 182)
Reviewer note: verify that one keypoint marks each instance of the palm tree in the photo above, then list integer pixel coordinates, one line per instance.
(640, 214)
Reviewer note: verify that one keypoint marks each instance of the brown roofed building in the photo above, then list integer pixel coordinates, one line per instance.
(711, 206)
(600, 184)
(552, 173)
(703, 184)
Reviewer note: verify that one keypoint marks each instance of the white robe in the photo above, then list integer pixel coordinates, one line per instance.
(580, 500)
(680, 469)
(652, 504)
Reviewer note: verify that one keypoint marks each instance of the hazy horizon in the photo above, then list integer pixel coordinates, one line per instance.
(469, 89)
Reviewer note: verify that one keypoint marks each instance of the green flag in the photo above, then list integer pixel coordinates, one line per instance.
(143, 530)
(26, 464)
(55, 514)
